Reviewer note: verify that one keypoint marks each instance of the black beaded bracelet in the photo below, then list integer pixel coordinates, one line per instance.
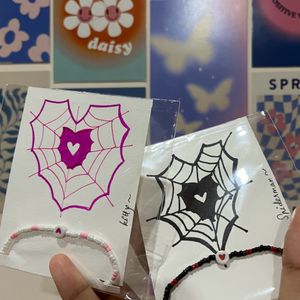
(220, 257)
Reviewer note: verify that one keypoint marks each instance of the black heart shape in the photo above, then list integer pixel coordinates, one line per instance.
(205, 209)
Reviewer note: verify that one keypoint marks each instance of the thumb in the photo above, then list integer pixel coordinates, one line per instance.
(290, 275)
(70, 283)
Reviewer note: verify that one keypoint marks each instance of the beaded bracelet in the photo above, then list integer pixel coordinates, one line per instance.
(61, 232)
(221, 258)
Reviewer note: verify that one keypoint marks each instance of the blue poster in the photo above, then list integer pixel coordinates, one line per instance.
(276, 33)
(24, 31)
(199, 56)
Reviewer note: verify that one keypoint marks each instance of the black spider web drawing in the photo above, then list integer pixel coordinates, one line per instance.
(82, 185)
(199, 199)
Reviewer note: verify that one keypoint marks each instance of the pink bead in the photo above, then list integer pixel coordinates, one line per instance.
(84, 235)
(114, 276)
(107, 247)
(34, 228)
(14, 235)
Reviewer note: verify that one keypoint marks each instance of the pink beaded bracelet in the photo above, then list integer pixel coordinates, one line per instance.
(61, 232)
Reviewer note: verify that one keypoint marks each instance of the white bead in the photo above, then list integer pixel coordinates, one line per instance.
(60, 231)
(222, 257)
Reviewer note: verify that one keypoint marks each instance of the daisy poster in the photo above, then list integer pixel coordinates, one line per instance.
(99, 41)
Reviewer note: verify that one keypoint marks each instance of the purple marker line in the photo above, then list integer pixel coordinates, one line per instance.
(117, 147)
(99, 119)
(112, 133)
(98, 137)
(54, 153)
(74, 192)
(54, 141)
(57, 117)
(65, 189)
(104, 193)
(41, 148)
(87, 124)
(36, 173)
(95, 160)
(47, 163)
(60, 184)
(44, 125)
(76, 118)
(77, 175)
(43, 132)
(62, 125)
(64, 174)
(107, 121)
(102, 163)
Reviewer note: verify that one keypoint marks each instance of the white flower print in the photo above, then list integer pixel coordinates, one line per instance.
(113, 14)
(32, 8)
(82, 17)
(19, 37)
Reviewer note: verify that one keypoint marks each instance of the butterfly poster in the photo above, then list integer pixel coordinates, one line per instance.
(73, 182)
(193, 62)
(99, 41)
(217, 194)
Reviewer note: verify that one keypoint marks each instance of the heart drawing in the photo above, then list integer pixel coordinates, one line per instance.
(78, 158)
(222, 256)
(73, 148)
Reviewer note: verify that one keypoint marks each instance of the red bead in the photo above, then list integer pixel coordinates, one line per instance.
(174, 282)
(249, 251)
(194, 266)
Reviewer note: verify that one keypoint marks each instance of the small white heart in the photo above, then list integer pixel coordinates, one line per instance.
(73, 148)
(201, 198)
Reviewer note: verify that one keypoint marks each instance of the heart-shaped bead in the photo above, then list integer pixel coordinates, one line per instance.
(222, 257)
(60, 231)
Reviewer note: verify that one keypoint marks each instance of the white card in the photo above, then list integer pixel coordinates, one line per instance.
(76, 165)
(218, 193)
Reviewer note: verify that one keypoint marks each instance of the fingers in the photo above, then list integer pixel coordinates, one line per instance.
(291, 257)
(290, 276)
(70, 283)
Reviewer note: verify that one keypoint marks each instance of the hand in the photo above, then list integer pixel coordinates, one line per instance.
(290, 275)
(70, 283)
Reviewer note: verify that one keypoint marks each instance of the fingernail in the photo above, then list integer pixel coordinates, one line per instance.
(293, 213)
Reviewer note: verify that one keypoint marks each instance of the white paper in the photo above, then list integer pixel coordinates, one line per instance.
(30, 201)
(260, 210)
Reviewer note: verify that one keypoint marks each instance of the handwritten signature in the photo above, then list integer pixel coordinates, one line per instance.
(127, 211)
(277, 201)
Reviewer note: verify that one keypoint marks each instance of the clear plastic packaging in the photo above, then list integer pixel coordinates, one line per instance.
(216, 190)
(137, 283)
(278, 155)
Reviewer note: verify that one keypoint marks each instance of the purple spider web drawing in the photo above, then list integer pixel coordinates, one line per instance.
(78, 158)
